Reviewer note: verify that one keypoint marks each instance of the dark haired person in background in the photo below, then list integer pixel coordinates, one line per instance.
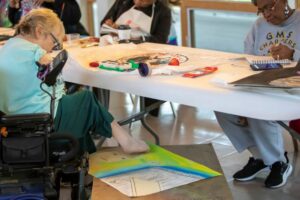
(150, 21)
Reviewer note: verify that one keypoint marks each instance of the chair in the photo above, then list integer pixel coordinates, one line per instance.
(29, 152)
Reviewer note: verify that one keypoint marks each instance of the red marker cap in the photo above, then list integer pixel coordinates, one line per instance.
(94, 64)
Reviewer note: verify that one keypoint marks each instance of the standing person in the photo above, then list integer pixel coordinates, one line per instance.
(275, 33)
(38, 33)
(150, 21)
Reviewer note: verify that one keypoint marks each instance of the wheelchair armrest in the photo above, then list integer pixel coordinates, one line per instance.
(39, 118)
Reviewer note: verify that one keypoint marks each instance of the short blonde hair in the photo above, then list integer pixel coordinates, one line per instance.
(42, 17)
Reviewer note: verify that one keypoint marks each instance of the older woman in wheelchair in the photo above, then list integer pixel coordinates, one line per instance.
(27, 74)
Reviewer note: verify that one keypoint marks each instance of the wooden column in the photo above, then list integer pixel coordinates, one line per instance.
(90, 16)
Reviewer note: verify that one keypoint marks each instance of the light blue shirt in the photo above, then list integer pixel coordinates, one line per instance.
(19, 86)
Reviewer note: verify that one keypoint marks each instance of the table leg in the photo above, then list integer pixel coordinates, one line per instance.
(140, 116)
(103, 96)
(143, 121)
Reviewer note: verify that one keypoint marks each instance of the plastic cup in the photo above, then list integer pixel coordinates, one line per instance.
(71, 37)
(124, 32)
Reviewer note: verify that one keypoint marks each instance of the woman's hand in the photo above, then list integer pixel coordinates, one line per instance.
(110, 23)
(281, 52)
(46, 59)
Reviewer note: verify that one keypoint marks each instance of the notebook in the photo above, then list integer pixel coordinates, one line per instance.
(286, 78)
(265, 60)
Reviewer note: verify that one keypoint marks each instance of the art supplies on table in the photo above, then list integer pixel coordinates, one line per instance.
(285, 78)
(114, 66)
(265, 60)
(200, 72)
(148, 64)
(148, 70)
(265, 66)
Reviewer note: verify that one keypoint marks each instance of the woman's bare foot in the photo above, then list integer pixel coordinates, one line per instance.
(129, 144)
(133, 145)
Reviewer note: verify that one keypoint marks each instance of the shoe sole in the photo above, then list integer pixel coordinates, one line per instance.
(249, 178)
(285, 177)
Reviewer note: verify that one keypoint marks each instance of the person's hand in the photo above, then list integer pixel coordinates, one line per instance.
(281, 52)
(14, 3)
(46, 59)
(110, 23)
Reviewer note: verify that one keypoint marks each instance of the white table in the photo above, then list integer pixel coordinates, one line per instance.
(267, 104)
(7, 31)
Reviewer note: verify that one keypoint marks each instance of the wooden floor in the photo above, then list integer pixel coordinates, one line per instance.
(196, 126)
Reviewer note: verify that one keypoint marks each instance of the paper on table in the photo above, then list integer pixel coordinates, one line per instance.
(157, 157)
(105, 29)
(7, 31)
(159, 169)
(223, 79)
(172, 70)
(149, 181)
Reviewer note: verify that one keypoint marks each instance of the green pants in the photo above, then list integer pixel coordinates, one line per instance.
(80, 113)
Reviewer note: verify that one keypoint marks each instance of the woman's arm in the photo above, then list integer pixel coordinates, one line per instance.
(161, 28)
(112, 13)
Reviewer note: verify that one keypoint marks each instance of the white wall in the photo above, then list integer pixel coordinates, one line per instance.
(83, 20)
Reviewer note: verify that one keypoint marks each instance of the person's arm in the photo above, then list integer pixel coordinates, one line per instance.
(249, 41)
(296, 56)
(111, 14)
(162, 27)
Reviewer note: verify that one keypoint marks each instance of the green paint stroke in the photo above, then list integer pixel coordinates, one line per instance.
(156, 157)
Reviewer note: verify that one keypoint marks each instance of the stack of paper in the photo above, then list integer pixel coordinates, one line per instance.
(105, 29)
(285, 78)
(265, 59)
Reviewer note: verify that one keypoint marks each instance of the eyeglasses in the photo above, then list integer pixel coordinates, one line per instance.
(268, 8)
(57, 45)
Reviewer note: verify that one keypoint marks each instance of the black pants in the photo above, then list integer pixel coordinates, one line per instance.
(149, 102)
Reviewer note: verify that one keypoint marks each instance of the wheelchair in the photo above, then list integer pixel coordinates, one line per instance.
(34, 160)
